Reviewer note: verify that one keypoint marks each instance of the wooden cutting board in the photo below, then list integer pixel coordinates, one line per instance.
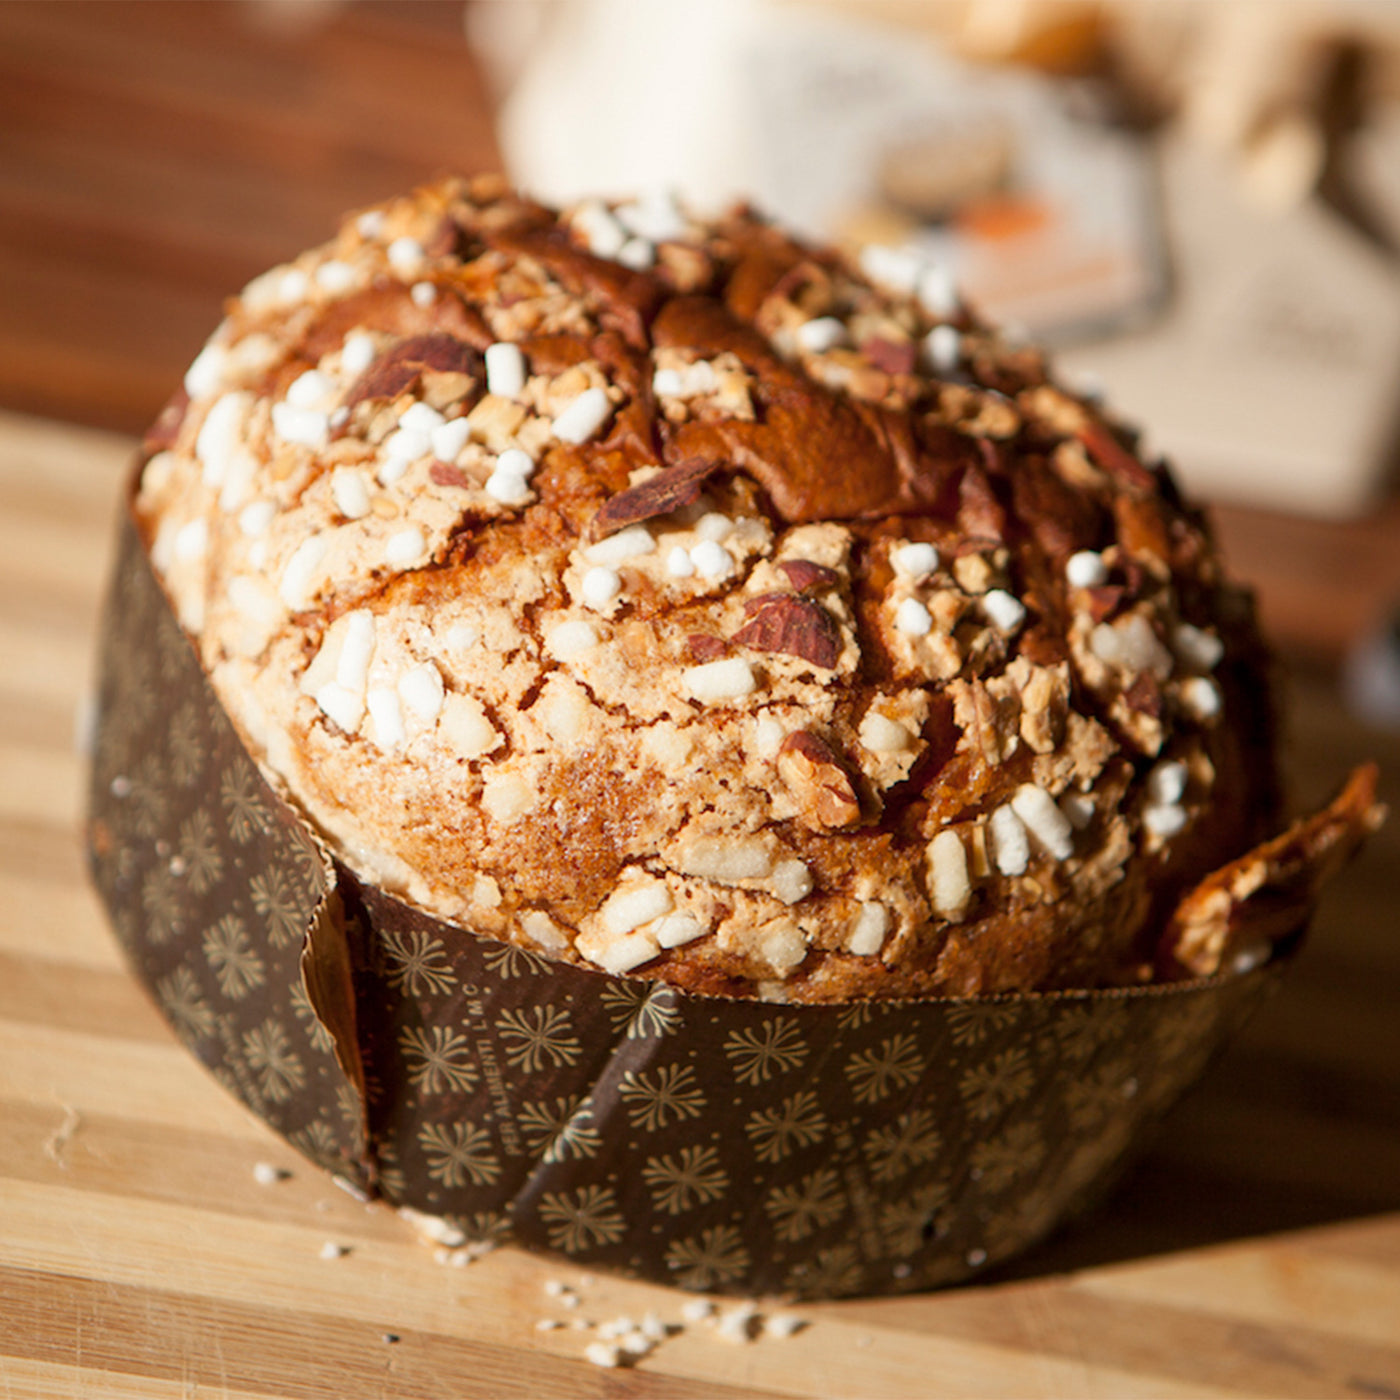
(1255, 1251)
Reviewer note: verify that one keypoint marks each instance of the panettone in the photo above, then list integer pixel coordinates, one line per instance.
(676, 599)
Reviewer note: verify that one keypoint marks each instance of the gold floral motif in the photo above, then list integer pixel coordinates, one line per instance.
(350, 1107)
(439, 1059)
(185, 743)
(230, 953)
(199, 851)
(244, 810)
(317, 1140)
(183, 1001)
(1082, 1030)
(419, 963)
(856, 1015)
(1014, 1153)
(898, 1147)
(833, 1271)
(796, 1122)
(670, 1095)
(554, 1133)
(508, 961)
(1099, 1095)
(146, 807)
(915, 1218)
(875, 1074)
(993, 1086)
(576, 1220)
(275, 1064)
(392, 1180)
(757, 1054)
(814, 1203)
(316, 1032)
(973, 1021)
(712, 1257)
(457, 1153)
(541, 1035)
(680, 1183)
(160, 897)
(277, 906)
(646, 1009)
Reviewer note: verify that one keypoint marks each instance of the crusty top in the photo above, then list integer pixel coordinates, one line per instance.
(675, 598)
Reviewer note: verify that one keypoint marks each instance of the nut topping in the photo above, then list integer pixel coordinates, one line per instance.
(811, 769)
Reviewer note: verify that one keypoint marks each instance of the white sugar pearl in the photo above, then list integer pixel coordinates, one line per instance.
(1009, 843)
(600, 586)
(255, 517)
(358, 352)
(370, 224)
(405, 548)
(192, 540)
(206, 373)
(943, 345)
(714, 526)
(602, 233)
(350, 492)
(405, 255)
(420, 418)
(938, 292)
(1201, 697)
(1200, 650)
(421, 690)
(948, 867)
(1044, 820)
(916, 561)
(898, 269)
(310, 389)
(821, 334)
(1086, 569)
(1166, 783)
(679, 564)
(384, 711)
(335, 277)
(713, 561)
(667, 384)
(583, 416)
(391, 470)
(637, 253)
(292, 286)
(407, 444)
(423, 293)
(509, 488)
(516, 461)
(714, 681)
(505, 369)
(1164, 820)
(448, 439)
(630, 543)
(303, 426)
(1004, 612)
(913, 619)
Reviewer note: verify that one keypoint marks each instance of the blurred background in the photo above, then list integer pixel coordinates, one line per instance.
(1197, 203)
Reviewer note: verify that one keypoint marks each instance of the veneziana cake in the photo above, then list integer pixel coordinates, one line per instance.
(688, 752)
(675, 599)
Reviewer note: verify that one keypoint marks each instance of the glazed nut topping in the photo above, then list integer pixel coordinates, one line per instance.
(678, 599)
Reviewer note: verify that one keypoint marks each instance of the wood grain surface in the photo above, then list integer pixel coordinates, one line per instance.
(1254, 1251)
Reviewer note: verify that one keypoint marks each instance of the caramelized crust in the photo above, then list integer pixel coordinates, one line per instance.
(653, 594)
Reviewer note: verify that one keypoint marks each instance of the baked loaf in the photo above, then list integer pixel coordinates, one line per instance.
(680, 600)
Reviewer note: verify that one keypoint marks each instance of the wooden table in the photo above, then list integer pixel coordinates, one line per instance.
(1256, 1250)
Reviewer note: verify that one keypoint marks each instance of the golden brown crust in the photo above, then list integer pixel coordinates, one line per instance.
(688, 605)
(1244, 908)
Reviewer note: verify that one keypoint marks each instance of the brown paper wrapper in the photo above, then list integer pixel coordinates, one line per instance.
(727, 1145)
